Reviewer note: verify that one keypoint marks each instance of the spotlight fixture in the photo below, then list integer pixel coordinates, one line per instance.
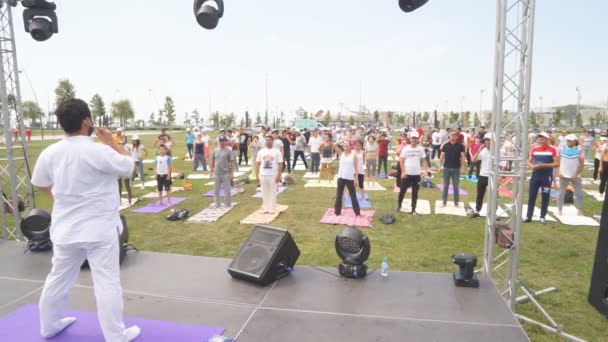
(40, 19)
(466, 276)
(35, 226)
(353, 248)
(207, 15)
(411, 5)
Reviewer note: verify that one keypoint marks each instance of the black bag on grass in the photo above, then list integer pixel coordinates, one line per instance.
(178, 215)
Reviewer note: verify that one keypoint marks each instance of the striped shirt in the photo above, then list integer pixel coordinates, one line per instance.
(545, 155)
(570, 161)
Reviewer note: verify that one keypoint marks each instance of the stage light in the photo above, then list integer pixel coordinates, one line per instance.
(466, 276)
(207, 15)
(353, 248)
(35, 226)
(40, 19)
(411, 5)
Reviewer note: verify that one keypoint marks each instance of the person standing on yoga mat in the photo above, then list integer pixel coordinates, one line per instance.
(383, 142)
(327, 150)
(222, 170)
(571, 162)
(269, 165)
(452, 160)
(412, 159)
(360, 153)
(300, 148)
(543, 159)
(347, 171)
(482, 156)
(199, 154)
(80, 176)
(162, 173)
(190, 141)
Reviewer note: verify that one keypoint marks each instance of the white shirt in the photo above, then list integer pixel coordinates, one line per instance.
(413, 159)
(600, 152)
(162, 164)
(347, 166)
(205, 139)
(315, 143)
(277, 144)
(436, 136)
(269, 159)
(562, 141)
(360, 163)
(484, 156)
(83, 177)
(137, 153)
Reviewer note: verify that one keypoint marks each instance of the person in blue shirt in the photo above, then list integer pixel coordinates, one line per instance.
(189, 141)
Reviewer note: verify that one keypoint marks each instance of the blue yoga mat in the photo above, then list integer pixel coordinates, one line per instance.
(22, 325)
(473, 179)
(364, 204)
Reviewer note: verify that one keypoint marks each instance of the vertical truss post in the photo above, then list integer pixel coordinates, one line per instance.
(14, 165)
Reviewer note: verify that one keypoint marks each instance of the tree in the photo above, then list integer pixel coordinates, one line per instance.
(98, 109)
(425, 117)
(444, 120)
(247, 119)
(453, 117)
(242, 123)
(505, 118)
(215, 119)
(557, 117)
(196, 117)
(579, 120)
(122, 111)
(65, 90)
(600, 119)
(351, 120)
(533, 122)
(151, 120)
(466, 119)
(476, 121)
(266, 118)
(187, 121)
(169, 109)
(540, 119)
(12, 102)
(376, 116)
(592, 121)
(32, 112)
(327, 119)
(258, 119)
(160, 121)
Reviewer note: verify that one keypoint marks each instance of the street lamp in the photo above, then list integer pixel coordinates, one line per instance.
(578, 102)
(482, 116)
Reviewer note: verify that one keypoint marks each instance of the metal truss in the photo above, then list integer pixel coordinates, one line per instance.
(14, 165)
(509, 153)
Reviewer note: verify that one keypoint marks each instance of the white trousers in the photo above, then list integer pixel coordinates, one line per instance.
(104, 263)
(268, 186)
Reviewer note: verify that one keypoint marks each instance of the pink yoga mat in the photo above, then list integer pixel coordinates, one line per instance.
(348, 218)
(23, 326)
(505, 192)
(451, 190)
(157, 208)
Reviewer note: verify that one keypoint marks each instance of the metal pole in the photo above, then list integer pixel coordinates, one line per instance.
(482, 117)
(266, 96)
(27, 77)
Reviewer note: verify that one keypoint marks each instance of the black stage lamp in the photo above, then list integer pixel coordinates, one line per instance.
(466, 276)
(207, 15)
(35, 226)
(40, 19)
(411, 5)
(353, 248)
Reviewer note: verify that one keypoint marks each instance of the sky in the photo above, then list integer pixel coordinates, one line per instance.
(317, 54)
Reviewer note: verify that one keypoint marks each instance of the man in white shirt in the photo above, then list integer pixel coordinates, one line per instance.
(269, 165)
(482, 155)
(315, 158)
(80, 176)
(411, 160)
(571, 161)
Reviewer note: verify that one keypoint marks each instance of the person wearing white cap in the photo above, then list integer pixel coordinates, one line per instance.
(599, 148)
(571, 161)
(543, 159)
(411, 160)
(482, 156)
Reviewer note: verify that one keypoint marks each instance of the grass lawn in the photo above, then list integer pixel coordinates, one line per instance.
(551, 255)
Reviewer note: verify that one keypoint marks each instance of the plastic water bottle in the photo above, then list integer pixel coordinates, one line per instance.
(384, 267)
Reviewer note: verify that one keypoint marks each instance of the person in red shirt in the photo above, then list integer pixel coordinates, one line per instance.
(420, 132)
(15, 134)
(460, 136)
(28, 134)
(473, 149)
(383, 153)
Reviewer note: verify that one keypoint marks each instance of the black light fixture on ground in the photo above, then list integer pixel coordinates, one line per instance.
(35, 226)
(208, 15)
(466, 276)
(353, 247)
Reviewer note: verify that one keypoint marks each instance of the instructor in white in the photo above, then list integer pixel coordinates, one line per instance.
(80, 176)
(269, 165)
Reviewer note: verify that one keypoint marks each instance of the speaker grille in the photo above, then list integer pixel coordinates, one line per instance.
(253, 260)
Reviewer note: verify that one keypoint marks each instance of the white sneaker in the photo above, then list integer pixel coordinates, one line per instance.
(132, 333)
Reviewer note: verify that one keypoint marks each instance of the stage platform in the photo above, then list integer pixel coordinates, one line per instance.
(312, 304)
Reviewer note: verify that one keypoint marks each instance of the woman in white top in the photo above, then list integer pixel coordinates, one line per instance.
(361, 167)
(138, 153)
(371, 159)
(347, 171)
(127, 180)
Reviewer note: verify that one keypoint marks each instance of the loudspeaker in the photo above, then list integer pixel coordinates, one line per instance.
(123, 241)
(598, 291)
(268, 254)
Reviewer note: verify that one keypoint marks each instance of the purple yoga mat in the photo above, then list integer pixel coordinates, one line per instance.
(156, 208)
(23, 325)
(451, 190)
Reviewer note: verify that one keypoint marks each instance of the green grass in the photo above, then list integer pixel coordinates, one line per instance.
(551, 255)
